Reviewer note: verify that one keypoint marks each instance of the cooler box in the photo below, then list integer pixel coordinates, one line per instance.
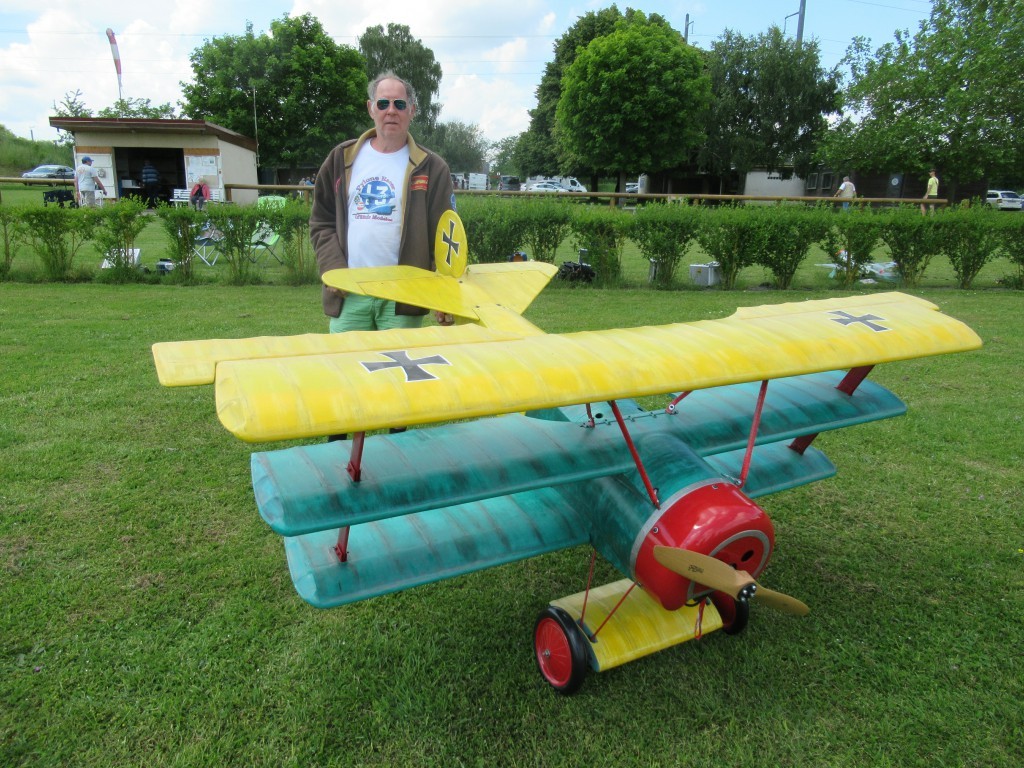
(705, 274)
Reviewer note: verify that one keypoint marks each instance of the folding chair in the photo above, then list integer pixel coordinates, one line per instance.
(265, 240)
(206, 246)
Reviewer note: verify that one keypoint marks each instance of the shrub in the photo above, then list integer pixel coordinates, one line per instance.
(183, 226)
(969, 236)
(912, 240)
(291, 221)
(493, 228)
(12, 230)
(239, 224)
(602, 232)
(786, 234)
(850, 238)
(545, 226)
(1010, 229)
(117, 227)
(57, 234)
(730, 236)
(663, 232)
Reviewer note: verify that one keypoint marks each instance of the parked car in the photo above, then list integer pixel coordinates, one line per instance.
(50, 172)
(509, 183)
(633, 187)
(1003, 199)
(545, 186)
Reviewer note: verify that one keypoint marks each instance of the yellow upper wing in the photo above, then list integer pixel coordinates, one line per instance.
(364, 390)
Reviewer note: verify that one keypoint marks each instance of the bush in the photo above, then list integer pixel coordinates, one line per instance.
(663, 232)
(493, 228)
(183, 226)
(732, 237)
(12, 230)
(602, 232)
(545, 226)
(291, 221)
(970, 238)
(786, 234)
(849, 238)
(1010, 229)
(239, 224)
(57, 234)
(117, 227)
(912, 239)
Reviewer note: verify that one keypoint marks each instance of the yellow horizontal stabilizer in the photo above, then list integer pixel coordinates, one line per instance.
(324, 394)
(513, 285)
(186, 363)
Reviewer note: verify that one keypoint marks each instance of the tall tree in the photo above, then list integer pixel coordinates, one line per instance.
(633, 101)
(300, 91)
(771, 102)
(951, 96)
(538, 152)
(462, 145)
(134, 108)
(398, 51)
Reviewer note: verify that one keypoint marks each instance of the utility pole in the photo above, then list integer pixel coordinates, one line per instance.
(686, 29)
(800, 23)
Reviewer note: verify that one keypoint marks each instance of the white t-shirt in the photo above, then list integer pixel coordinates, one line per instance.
(375, 207)
(86, 178)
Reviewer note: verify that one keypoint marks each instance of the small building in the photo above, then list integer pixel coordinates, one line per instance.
(183, 151)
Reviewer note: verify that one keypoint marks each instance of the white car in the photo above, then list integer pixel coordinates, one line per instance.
(544, 186)
(1004, 200)
(633, 187)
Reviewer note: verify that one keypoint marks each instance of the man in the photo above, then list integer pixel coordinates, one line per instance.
(846, 192)
(86, 181)
(376, 202)
(932, 190)
(150, 183)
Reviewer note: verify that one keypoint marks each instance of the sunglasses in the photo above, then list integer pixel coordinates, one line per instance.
(400, 104)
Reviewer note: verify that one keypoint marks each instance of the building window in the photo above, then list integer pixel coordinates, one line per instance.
(826, 182)
(812, 182)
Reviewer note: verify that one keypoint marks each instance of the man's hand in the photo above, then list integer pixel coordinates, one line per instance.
(443, 318)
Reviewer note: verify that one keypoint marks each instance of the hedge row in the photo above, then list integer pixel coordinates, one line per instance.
(58, 234)
(777, 237)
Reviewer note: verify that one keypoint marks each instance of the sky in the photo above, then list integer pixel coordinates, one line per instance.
(492, 54)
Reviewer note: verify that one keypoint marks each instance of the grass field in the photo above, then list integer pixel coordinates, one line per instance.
(147, 617)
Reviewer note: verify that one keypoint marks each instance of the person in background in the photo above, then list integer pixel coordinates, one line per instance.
(150, 179)
(846, 192)
(932, 190)
(86, 182)
(199, 194)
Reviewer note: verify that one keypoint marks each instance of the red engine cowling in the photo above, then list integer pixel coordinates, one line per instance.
(713, 518)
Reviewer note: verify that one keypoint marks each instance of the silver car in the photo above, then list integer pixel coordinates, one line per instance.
(50, 172)
(1003, 199)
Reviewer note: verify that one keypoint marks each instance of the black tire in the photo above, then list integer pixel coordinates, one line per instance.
(560, 650)
(734, 613)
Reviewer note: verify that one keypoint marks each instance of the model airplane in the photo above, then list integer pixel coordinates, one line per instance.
(666, 496)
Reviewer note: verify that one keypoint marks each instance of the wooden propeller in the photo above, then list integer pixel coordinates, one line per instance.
(720, 576)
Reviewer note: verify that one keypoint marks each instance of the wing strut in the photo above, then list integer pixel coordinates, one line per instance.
(755, 424)
(853, 379)
(651, 490)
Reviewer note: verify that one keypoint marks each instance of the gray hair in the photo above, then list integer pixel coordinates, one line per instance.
(410, 92)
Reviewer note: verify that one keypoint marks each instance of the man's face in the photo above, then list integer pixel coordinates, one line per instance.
(391, 123)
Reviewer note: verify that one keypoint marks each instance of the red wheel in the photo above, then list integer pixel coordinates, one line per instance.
(560, 649)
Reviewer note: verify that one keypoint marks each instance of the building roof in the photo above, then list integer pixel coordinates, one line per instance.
(137, 125)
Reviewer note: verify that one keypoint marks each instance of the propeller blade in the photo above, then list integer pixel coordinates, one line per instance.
(720, 576)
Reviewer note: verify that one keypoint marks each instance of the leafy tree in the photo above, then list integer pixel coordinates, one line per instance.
(133, 108)
(771, 99)
(397, 50)
(633, 101)
(462, 145)
(537, 151)
(950, 97)
(71, 105)
(307, 92)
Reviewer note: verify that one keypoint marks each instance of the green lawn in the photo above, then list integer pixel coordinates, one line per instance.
(147, 617)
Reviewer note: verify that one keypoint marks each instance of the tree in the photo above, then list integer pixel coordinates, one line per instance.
(135, 108)
(398, 51)
(771, 101)
(71, 105)
(950, 97)
(633, 101)
(538, 152)
(304, 92)
(461, 145)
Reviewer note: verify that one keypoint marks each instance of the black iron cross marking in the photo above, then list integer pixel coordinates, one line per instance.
(452, 244)
(845, 318)
(413, 371)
